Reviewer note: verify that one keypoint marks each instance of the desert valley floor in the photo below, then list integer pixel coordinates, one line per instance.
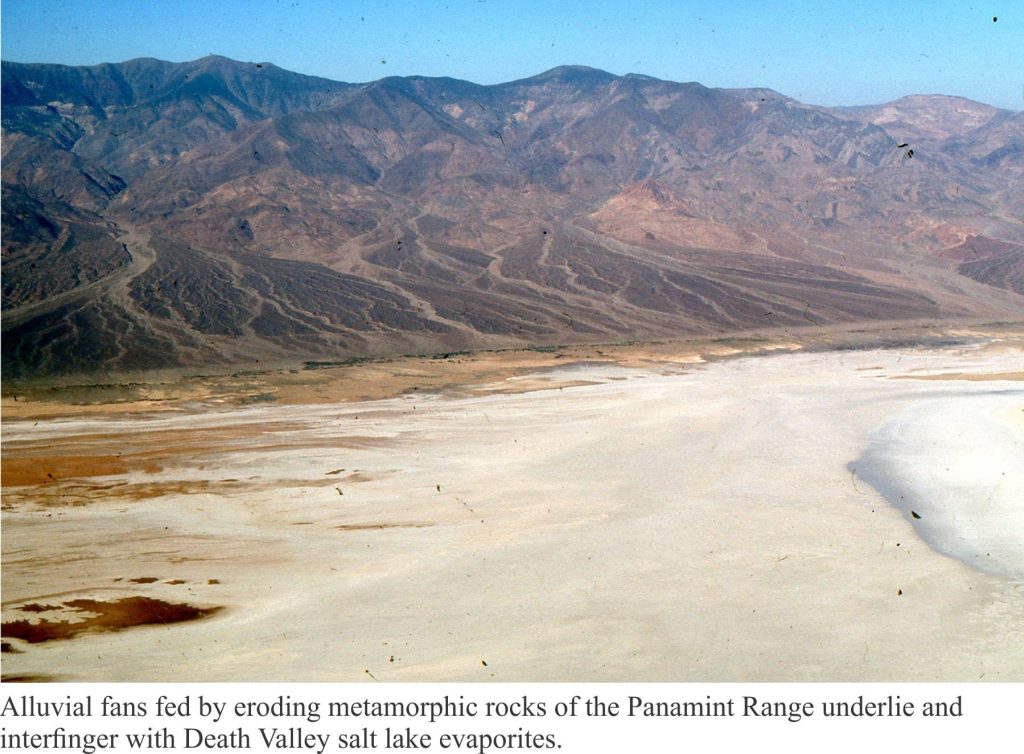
(759, 512)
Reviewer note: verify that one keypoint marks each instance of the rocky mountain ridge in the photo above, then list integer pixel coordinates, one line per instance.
(214, 213)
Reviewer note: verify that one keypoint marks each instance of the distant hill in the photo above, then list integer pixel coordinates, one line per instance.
(218, 213)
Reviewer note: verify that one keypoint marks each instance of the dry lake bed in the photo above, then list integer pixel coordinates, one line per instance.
(790, 514)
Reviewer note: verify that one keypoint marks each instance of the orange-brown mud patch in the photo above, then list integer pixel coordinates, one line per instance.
(24, 470)
(99, 616)
(41, 463)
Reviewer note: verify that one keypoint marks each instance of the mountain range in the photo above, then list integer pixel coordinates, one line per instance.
(215, 213)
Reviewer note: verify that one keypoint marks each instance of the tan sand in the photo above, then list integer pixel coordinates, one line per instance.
(697, 522)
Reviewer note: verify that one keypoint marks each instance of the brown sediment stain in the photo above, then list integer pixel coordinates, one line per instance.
(34, 607)
(358, 476)
(142, 447)
(176, 582)
(969, 376)
(75, 494)
(8, 648)
(145, 580)
(98, 616)
(213, 581)
(179, 559)
(78, 494)
(39, 678)
(147, 443)
(370, 526)
(45, 463)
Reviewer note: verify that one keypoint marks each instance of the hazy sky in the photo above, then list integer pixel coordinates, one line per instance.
(821, 52)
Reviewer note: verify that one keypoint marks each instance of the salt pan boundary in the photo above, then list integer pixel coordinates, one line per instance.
(952, 465)
(667, 522)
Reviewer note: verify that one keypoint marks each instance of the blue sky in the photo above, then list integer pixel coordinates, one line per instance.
(832, 53)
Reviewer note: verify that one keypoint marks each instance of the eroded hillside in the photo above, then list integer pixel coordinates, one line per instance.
(160, 215)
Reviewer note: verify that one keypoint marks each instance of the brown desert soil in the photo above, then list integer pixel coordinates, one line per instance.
(457, 372)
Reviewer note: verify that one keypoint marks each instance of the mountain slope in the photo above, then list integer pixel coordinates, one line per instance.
(214, 213)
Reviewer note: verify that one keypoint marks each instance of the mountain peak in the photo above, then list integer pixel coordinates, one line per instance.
(570, 74)
(934, 116)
